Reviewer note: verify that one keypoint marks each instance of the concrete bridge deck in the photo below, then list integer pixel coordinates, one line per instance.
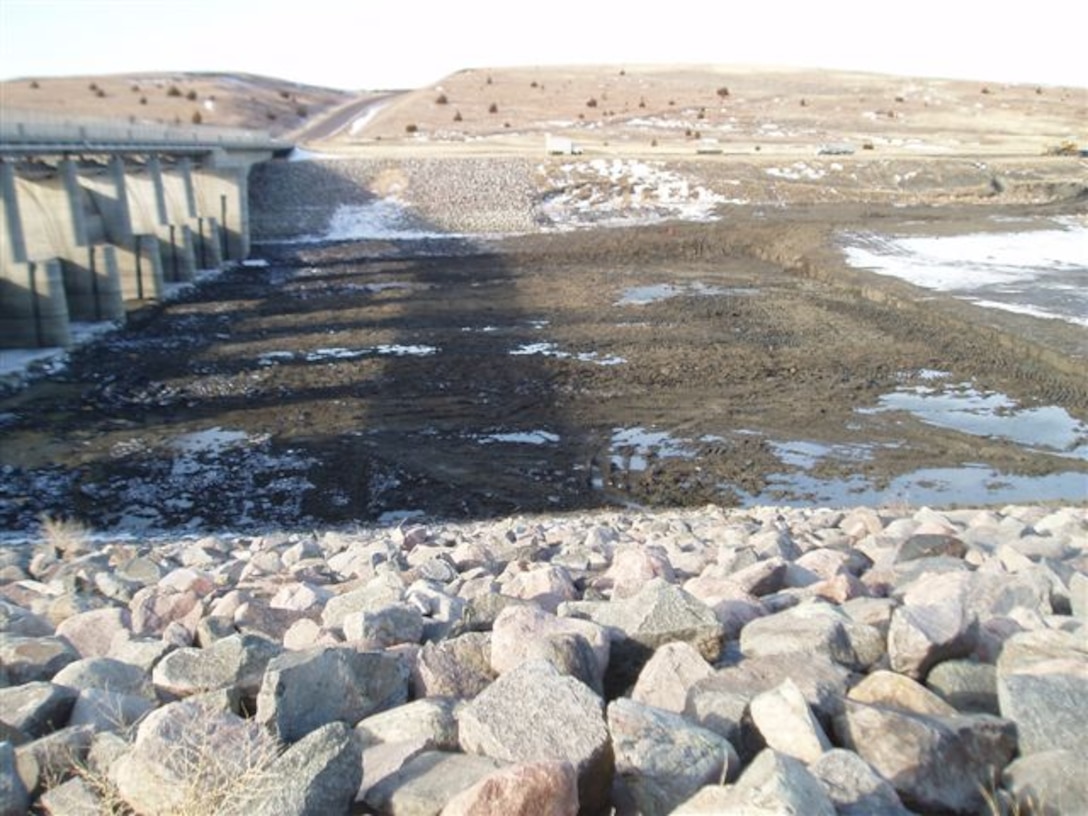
(97, 216)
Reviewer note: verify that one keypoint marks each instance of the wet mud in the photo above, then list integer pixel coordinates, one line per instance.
(732, 363)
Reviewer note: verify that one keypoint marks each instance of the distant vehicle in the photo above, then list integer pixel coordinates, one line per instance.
(842, 149)
(560, 146)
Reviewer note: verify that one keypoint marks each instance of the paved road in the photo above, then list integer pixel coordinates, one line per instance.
(330, 124)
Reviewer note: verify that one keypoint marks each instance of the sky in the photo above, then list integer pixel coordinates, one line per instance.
(393, 44)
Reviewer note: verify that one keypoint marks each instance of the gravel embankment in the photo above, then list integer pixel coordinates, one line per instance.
(702, 661)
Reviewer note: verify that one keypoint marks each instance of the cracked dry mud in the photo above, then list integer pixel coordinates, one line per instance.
(666, 365)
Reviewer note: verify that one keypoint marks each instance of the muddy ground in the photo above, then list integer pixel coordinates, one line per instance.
(359, 381)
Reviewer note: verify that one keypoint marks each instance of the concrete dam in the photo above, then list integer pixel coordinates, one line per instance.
(98, 217)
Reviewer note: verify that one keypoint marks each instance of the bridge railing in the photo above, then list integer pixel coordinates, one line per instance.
(29, 128)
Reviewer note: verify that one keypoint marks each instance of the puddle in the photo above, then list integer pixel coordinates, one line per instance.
(963, 408)
(552, 350)
(213, 440)
(520, 438)
(632, 448)
(1043, 273)
(643, 295)
(971, 485)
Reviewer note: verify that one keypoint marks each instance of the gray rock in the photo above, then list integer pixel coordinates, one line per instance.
(305, 690)
(534, 713)
(387, 626)
(935, 763)
(663, 759)
(73, 797)
(814, 628)
(432, 721)
(1047, 701)
(459, 667)
(14, 799)
(854, 787)
(317, 776)
(427, 782)
(105, 710)
(26, 659)
(1048, 783)
(378, 592)
(921, 636)
(53, 756)
(107, 674)
(930, 545)
(36, 708)
(1078, 595)
(661, 613)
(17, 621)
(235, 661)
(668, 676)
(969, 686)
(785, 723)
(772, 784)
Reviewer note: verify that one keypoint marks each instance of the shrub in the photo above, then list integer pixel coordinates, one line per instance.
(101, 94)
(285, 95)
(63, 536)
(493, 108)
(270, 115)
(143, 100)
(591, 103)
(34, 84)
(197, 118)
(642, 102)
(442, 99)
(135, 88)
(533, 84)
(173, 90)
(93, 87)
(457, 116)
(302, 111)
(411, 128)
(489, 79)
(191, 96)
(723, 92)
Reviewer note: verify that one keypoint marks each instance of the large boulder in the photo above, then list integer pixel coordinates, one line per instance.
(785, 723)
(1048, 783)
(1047, 701)
(935, 763)
(668, 676)
(547, 788)
(187, 758)
(36, 708)
(302, 691)
(427, 782)
(772, 784)
(662, 759)
(814, 628)
(854, 787)
(317, 776)
(235, 661)
(534, 713)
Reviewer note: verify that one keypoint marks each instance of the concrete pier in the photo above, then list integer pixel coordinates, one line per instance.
(96, 218)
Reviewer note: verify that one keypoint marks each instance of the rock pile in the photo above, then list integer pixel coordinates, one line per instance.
(692, 662)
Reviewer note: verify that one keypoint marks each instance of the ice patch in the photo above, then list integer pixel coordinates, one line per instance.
(552, 350)
(599, 192)
(381, 218)
(643, 295)
(521, 438)
(1043, 273)
(271, 358)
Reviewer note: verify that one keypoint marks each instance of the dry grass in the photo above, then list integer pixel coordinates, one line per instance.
(63, 536)
(207, 773)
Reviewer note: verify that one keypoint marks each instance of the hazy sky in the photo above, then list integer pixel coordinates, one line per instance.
(377, 44)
